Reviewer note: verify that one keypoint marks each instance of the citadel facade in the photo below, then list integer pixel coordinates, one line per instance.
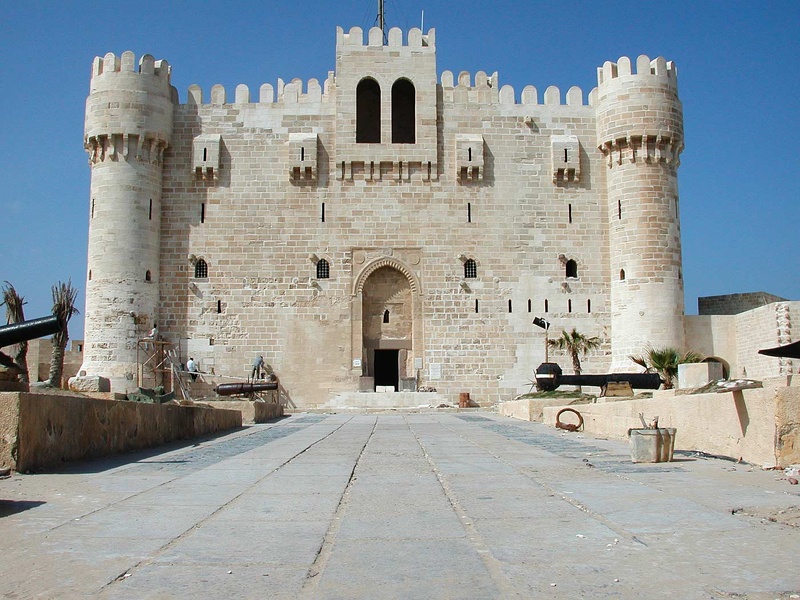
(386, 227)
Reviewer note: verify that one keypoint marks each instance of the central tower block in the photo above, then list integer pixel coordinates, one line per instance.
(128, 127)
(640, 133)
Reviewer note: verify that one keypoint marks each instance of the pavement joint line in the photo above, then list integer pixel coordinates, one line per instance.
(158, 552)
(317, 568)
(555, 492)
(208, 443)
(476, 540)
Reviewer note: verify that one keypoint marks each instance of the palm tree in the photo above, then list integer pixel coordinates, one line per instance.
(574, 344)
(16, 314)
(64, 296)
(665, 361)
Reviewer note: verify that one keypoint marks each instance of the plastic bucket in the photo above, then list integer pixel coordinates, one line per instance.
(652, 445)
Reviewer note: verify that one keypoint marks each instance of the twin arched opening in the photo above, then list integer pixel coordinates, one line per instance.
(368, 112)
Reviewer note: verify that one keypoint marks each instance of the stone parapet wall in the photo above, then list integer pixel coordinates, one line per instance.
(40, 430)
(733, 304)
(761, 426)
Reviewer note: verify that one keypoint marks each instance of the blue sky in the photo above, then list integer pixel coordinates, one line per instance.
(738, 79)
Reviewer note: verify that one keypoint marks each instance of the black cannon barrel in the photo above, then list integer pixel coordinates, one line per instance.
(236, 389)
(549, 377)
(639, 381)
(29, 330)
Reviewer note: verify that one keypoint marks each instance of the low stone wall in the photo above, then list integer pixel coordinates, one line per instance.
(266, 411)
(531, 409)
(253, 411)
(761, 426)
(39, 430)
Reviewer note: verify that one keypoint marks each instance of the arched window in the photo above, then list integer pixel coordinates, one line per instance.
(572, 269)
(148, 276)
(201, 269)
(403, 112)
(470, 269)
(368, 112)
(622, 274)
(386, 316)
(323, 269)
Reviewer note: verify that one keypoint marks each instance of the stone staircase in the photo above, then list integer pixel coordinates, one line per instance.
(386, 401)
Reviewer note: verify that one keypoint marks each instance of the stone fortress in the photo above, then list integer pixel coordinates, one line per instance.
(392, 228)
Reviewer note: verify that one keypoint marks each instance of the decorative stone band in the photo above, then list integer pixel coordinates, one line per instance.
(643, 148)
(369, 269)
(125, 146)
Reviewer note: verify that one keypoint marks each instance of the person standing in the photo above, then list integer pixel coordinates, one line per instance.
(191, 366)
(258, 364)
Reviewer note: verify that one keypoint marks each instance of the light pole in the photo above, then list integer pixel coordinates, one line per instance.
(539, 322)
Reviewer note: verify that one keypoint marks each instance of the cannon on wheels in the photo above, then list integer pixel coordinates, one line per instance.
(549, 377)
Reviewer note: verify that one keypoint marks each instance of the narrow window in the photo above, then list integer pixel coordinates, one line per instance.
(470, 269)
(572, 269)
(589, 305)
(219, 307)
(150, 211)
(403, 112)
(566, 155)
(148, 276)
(90, 274)
(302, 154)
(529, 305)
(509, 306)
(469, 212)
(386, 316)
(323, 212)
(546, 306)
(469, 154)
(570, 212)
(323, 269)
(92, 208)
(205, 154)
(202, 212)
(368, 112)
(200, 269)
(476, 305)
(569, 305)
(619, 209)
(622, 274)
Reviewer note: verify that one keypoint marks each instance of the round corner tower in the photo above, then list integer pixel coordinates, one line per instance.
(640, 132)
(128, 127)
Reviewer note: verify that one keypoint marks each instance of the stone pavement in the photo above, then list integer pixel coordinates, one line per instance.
(399, 505)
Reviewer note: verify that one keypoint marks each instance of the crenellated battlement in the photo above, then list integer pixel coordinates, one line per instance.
(147, 65)
(487, 90)
(394, 39)
(283, 93)
(611, 72)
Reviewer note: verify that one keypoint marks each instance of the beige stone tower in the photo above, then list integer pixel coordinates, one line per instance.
(640, 132)
(128, 126)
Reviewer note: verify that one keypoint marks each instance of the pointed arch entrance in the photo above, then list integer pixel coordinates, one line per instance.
(387, 324)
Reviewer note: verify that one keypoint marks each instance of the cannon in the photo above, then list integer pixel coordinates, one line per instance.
(245, 388)
(29, 330)
(549, 377)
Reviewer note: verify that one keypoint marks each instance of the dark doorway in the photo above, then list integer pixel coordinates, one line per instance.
(386, 369)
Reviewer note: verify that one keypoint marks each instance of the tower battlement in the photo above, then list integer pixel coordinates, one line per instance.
(394, 39)
(111, 64)
(616, 72)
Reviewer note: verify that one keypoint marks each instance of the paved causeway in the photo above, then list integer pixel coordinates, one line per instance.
(424, 505)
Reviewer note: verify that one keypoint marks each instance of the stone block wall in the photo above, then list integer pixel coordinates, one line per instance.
(734, 304)
(42, 430)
